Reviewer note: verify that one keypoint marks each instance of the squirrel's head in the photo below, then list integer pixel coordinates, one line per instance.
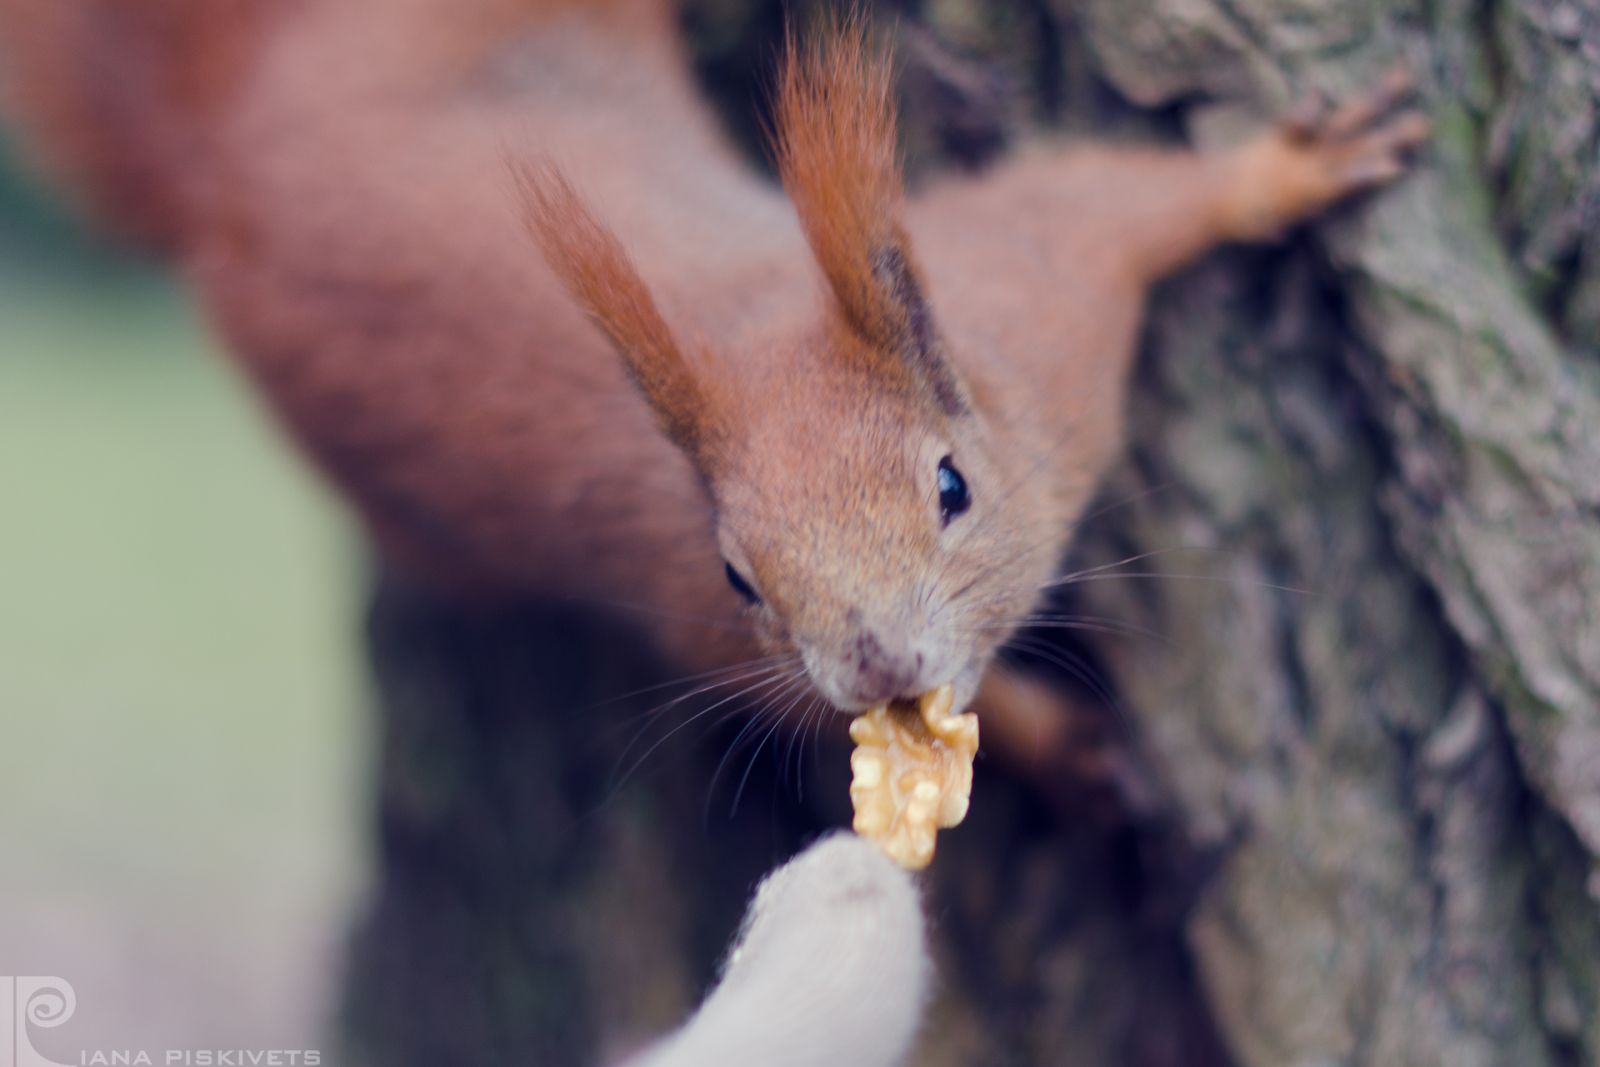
(861, 511)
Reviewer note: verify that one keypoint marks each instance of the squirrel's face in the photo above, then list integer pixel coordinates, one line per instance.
(874, 534)
(862, 510)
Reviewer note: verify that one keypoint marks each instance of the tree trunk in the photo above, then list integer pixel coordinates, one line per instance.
(1363, 497)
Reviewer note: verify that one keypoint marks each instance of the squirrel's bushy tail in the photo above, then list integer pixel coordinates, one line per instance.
(113, 98)
(122, 99)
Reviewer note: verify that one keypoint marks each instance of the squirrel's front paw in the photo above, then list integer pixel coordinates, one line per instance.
(1360, 143)
(1320, 154)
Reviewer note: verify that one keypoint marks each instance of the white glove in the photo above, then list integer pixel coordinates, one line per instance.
(830, 970)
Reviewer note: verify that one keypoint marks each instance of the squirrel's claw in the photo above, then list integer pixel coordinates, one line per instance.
(1357, 144)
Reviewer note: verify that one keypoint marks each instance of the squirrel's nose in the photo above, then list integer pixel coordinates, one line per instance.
(878, 673)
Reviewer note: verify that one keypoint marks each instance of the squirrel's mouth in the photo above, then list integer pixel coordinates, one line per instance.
(931, 707)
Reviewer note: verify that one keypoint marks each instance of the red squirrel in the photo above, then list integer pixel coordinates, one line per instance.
(865, 421)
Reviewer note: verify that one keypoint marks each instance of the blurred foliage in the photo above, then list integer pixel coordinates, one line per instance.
(179, 754)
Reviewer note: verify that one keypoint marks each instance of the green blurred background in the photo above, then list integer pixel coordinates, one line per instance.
(180, 727)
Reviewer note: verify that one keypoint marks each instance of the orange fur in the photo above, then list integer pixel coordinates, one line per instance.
(594, 266)
(121, 137)
(838, 158)
(359, 246)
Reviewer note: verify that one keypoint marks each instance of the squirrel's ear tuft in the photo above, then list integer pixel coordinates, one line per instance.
(838, 156)
(597, 271)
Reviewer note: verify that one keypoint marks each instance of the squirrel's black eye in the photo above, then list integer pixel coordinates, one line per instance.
(953, 495)
(741, 586)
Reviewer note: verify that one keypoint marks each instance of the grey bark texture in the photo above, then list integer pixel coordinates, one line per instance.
(1361, 669)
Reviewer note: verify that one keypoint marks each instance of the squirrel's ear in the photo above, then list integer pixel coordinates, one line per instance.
(838, 156)
(597, 271)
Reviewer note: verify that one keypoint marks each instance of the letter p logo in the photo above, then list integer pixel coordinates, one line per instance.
(31, 1002)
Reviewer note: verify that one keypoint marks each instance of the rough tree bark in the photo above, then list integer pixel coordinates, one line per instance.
(1368, 466)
